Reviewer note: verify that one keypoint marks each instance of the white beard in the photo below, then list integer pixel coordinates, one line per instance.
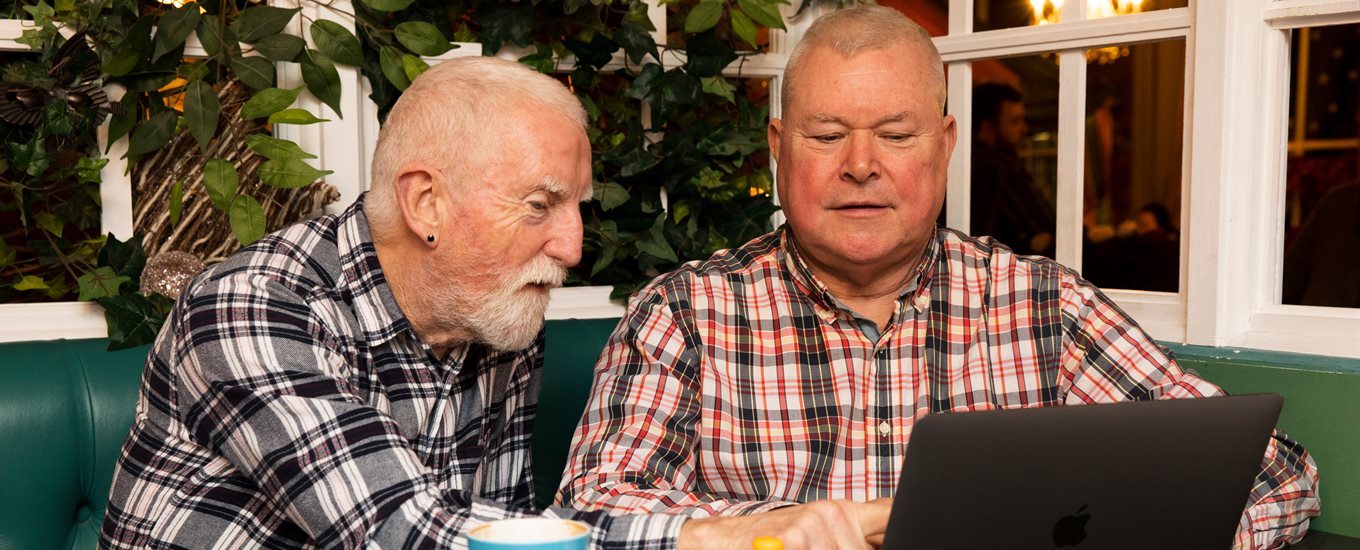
(509, 316)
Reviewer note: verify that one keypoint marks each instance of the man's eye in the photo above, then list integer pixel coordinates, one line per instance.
(539, 206)
(895, 138)
(828, 138)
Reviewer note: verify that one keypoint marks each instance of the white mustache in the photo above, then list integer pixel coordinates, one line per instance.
(542, 271)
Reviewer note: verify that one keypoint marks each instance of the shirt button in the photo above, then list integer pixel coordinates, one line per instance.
(884, 428)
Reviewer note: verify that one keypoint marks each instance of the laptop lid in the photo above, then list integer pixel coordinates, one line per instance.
(1149, 474)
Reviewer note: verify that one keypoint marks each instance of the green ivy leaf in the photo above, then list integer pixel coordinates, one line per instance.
(30, 157)
(421, 38)
(719, 86)
(707, 55)
(221, 182)
(504, 22)
(388, 5)
(247, 219)
(289, 173)
(122, 62)
(256, 72)
(679, 211)
(744, 27)
(125, 257)
(260, 21)
(201, 110)
(657, 245)
(765, 12)
(153, 134)
(276, 149)
(133, 319)
(393, 68)
(413, 66)
(704, 16)
(280, 47)
(100, 283)
(50, 223)
(7, 254)
(173, 28)
(340, 45)
(322, 80)
(269, 101)
(295, 116)
(610, 195)
(31, 282)
(607, 252)
(176, 202)
(88, 168)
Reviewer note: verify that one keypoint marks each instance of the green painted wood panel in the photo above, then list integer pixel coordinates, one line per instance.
(1321, 411)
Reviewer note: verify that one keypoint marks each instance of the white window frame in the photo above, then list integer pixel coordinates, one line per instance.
(1237, 251)
(1233, 184)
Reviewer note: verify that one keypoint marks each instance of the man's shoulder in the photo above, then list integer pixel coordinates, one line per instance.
(757, 258)
(300, 257)
(960, 250)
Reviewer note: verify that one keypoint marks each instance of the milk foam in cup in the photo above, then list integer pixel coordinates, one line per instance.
(530, 534)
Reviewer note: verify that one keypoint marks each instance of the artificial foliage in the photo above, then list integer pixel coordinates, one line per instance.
(680, 160)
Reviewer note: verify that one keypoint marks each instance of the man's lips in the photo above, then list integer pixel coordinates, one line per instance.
(860, 209)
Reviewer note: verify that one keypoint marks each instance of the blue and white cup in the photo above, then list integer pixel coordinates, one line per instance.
(530, 534)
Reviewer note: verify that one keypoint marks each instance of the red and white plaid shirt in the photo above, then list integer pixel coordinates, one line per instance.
(740, 384)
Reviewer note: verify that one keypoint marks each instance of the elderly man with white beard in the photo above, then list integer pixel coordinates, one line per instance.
(369, 378)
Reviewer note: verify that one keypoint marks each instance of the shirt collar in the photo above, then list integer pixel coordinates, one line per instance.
(362, 278)
(915, 294)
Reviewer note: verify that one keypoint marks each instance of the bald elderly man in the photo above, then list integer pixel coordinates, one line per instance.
(369, 378)
(794, 367)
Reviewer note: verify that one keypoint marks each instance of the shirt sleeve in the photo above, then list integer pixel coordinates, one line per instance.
(634, 450)
(263, 385)
(1108, 358)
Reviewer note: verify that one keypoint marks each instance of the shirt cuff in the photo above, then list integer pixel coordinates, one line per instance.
(643, 531)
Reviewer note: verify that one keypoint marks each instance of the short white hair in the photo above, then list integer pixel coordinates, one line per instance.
(858, 28)
(445, 117)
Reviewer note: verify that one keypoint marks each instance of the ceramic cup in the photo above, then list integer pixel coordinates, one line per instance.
(530, 534)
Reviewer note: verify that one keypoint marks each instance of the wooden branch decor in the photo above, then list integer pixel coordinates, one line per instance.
(200, 228)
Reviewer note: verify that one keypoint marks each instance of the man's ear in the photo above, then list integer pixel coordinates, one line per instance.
(421, 199)
(951, 136)
(774, 135)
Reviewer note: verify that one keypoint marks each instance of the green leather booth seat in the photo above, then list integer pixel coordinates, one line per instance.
(65, 407)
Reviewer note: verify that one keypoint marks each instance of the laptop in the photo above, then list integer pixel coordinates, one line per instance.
(1150, 474)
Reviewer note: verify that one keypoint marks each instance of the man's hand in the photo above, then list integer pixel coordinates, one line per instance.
(839, 524)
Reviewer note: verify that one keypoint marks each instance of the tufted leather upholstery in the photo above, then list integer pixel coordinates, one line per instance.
(67, 405)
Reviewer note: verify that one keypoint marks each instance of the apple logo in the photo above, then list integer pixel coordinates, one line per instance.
(1071, 530)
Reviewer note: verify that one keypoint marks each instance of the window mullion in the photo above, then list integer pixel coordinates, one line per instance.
(1071, 156)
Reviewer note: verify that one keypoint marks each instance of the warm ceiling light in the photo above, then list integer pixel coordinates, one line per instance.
(1050, 11)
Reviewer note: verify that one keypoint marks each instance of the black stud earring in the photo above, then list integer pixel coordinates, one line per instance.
(429, 238)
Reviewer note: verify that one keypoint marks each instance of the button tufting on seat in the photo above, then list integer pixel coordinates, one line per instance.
(83, 513)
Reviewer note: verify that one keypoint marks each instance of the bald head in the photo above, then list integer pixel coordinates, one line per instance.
(453, 116)
(852, 30)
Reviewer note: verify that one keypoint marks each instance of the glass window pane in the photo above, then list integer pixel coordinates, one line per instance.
(1132, 184)
(1014, 164)
(933, 15)
(1322, 188)
(1006, 14)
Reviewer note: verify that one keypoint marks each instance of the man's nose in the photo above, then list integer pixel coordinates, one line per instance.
(564, 239)
(861, 158)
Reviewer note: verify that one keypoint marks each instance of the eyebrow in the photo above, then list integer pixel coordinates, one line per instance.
(555, 187)
(832, 119)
